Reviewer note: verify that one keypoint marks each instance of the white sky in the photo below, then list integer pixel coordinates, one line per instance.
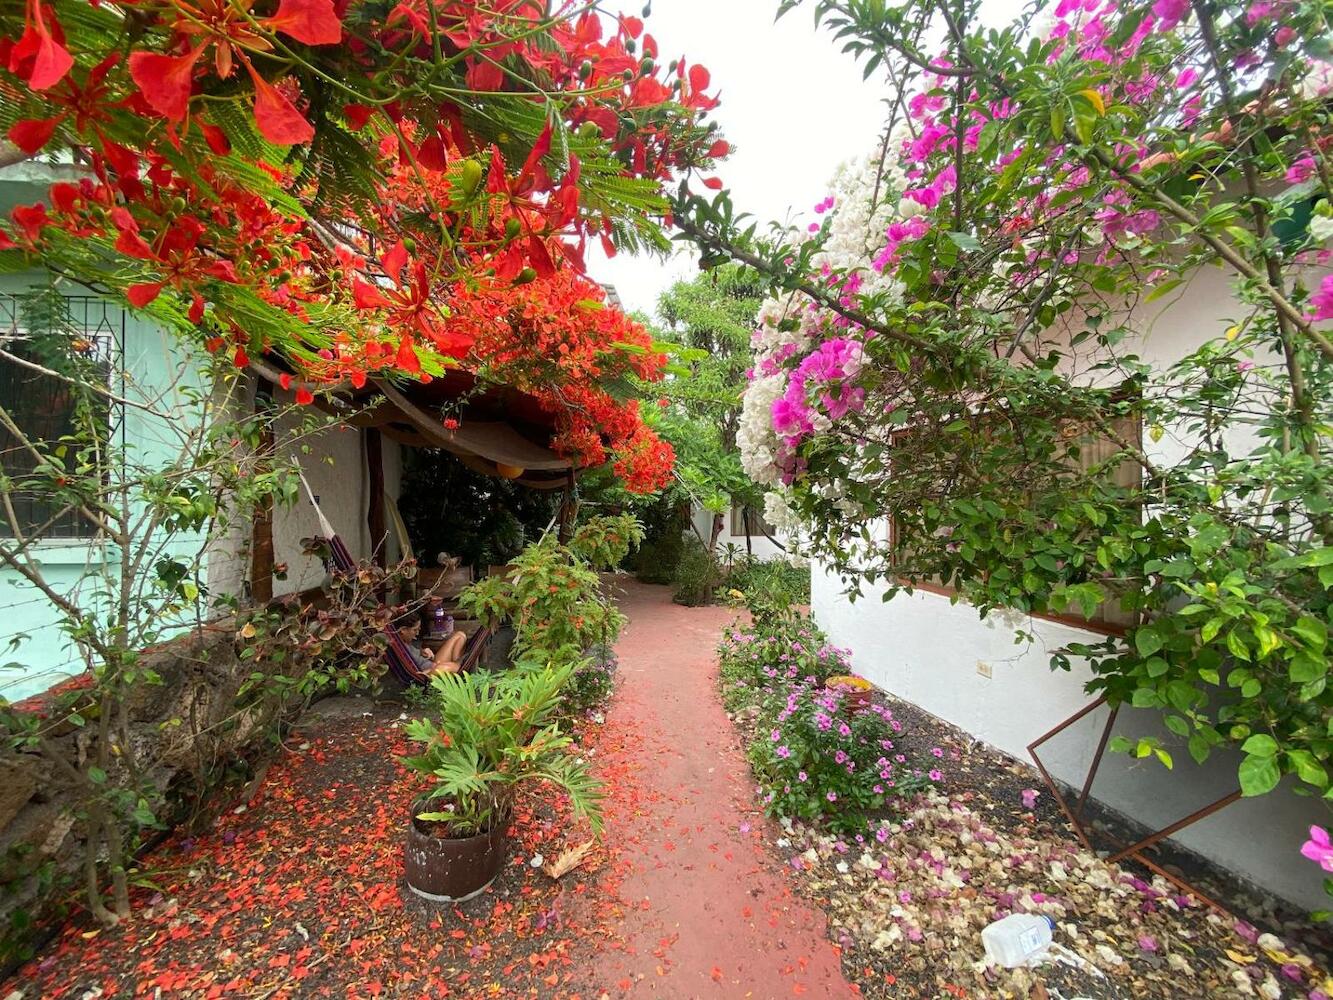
(793, 107)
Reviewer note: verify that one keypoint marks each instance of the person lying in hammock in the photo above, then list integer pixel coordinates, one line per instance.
(445, 659)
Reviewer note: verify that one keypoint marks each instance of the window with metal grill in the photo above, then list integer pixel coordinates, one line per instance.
(73, 336)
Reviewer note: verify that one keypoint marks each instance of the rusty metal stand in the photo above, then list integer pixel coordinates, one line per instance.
(1075, 813)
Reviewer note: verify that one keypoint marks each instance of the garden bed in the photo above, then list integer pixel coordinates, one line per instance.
(299, 893)
(908, 914)
(907, 899)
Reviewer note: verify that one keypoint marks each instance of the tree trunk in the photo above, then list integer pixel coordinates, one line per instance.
(568, 510)
(379, 539)
(714, 534)
(261, 529)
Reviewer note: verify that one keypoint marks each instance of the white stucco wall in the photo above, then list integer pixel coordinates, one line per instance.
(925, 650)
(334, 464)
(760, 545)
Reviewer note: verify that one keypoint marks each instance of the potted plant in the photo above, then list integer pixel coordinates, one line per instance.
(856, 690)
(494, 734)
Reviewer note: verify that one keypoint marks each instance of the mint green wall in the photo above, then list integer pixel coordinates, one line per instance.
(41, 654)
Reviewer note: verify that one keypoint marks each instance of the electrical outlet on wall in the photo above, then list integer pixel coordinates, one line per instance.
(983, 668)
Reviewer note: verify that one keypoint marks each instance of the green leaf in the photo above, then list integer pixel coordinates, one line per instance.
(1305, 668)
(1312, 630)
(1237, 646)
(1260, 745)
(1307, 768)
(1198, 748)
(96, 775)
(1147, 641)
(1258, 775)
(1165, 288)
(965, 241)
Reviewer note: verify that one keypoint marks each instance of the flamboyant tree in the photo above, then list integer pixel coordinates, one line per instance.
(316, 181)
(330, 193)
(961, 351)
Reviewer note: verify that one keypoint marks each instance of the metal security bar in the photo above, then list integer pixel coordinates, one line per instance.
(57, 332)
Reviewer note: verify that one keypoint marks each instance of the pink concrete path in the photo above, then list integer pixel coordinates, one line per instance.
(707, 908)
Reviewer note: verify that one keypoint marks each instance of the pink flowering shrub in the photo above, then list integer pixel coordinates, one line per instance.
(824, 760)
(1000, 361)
(781, 649)
(816, 754)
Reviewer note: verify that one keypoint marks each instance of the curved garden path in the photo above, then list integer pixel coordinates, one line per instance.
(714, 915)
(298, 891)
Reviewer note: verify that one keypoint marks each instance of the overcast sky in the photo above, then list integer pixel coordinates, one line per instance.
(793, 106)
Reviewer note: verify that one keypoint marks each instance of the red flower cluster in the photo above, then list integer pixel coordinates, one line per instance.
(556, 337)
(429, 105)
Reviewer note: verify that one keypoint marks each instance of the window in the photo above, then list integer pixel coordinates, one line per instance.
(1087, 449)
(758, 527)
(63, 334)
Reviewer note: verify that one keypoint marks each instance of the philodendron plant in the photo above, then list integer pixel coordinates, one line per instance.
(493, 734)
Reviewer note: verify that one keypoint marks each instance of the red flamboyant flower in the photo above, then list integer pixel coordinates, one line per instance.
(176, 254)
(40, 56)
(87, 103)
(167, 81)
(409, 308)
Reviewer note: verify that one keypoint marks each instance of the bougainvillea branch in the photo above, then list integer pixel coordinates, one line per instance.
(1063, 443)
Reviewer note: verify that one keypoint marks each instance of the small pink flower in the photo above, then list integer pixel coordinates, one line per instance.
(1030, 798)
(1318, 849)
(937, 752)
(936, 775)
(832, 796)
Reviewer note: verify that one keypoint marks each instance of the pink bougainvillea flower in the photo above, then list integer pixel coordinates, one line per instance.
(1186, 78)
(1318, 849)
(1322, 300)
(1030, 798)
(1170, 12)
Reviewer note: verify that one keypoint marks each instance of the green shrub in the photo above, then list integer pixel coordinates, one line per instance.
(552, 595)
(824, 760)
(592, 683)
(697, 576)
(776, 578)
(665, 522)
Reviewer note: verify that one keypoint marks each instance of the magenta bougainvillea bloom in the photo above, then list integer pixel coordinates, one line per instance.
(1322, 300)
(1318, 849)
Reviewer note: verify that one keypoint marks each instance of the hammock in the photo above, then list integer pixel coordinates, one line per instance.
(402, 663)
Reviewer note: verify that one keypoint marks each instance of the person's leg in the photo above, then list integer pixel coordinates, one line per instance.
(451, 648)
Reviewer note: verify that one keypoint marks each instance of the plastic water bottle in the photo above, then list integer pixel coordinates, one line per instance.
(437, 616)
(1011, 942)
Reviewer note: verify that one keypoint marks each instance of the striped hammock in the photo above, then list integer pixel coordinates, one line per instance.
(402, 664)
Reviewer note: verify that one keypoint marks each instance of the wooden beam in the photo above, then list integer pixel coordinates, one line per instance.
(375, 509)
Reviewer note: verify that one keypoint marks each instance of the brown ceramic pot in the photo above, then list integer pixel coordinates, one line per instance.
(451, 870)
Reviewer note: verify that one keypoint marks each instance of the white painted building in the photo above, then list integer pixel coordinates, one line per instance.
(943, 657)
(760, 540)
